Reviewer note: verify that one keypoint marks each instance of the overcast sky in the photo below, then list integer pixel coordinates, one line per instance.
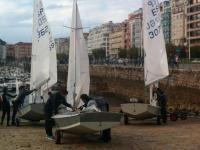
(16, 15)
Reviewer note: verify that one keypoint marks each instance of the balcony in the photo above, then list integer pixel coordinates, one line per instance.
(194, 29)
(193, 5)
(194, 37)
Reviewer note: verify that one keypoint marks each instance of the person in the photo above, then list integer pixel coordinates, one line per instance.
(6, 105)
(49, 110)
(23, 92)
(60, 100)
(1, 100)
(52, 107)
(162, 102)
(102, 105)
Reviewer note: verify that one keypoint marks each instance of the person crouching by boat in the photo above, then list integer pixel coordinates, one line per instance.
(162, 102)
(103, 106)
(6, 105)
(23, 92)
(49, 110)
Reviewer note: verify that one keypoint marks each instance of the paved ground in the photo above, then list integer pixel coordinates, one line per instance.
(181, 135)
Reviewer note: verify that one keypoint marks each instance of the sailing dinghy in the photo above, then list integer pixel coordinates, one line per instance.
(155, 62)
(43, 65)
(86, 122)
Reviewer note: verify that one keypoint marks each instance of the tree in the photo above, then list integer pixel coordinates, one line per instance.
(122, 53)
(171, 50)
(99, 54)
(195, 52)
(133, 53)
(62, 58)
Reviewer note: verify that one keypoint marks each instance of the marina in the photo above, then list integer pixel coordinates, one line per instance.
(130, 85)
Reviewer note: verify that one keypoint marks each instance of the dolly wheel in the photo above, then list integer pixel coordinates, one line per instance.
(183, 116)
(173, 117)
(126, 119)
(58, 137)
(17, 122)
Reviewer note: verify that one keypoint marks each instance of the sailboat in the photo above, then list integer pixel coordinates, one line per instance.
(78, 83)
(43, 65)
(155, 62)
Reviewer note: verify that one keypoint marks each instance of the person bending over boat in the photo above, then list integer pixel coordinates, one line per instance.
(61, 100)
(23, 92)
(103, 106)
(6, 105)
(52, 107)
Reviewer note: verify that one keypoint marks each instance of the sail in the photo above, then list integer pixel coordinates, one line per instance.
(155, 59)
(43, 60)
(78, 70)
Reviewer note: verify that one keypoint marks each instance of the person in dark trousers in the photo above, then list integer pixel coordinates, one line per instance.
(6, 105)
(20, 101)
(162, 102)
(101, 105)
(49, 110)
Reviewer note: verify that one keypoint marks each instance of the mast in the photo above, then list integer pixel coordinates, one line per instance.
(75, 34)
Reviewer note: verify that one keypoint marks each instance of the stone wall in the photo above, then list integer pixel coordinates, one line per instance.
(182, 87)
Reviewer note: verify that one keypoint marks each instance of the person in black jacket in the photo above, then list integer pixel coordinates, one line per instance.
(20, 101)
(49, 110)
(60, 99)
(162, 102)
(6, 105)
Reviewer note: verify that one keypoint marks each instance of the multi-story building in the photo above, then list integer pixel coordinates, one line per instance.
(178, 22)
(117, 40)
(193, 22)
(135, 21)
(10, 51)
(165, 8)
(62, 45)
(99, 37)
(23, 50)
(2, 50)
(127, 31)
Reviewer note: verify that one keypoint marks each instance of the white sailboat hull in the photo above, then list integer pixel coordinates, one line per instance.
(140, 111)
(32, 112)
(86, 123)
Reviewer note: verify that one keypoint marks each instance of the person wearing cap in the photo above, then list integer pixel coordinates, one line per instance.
(6, 105)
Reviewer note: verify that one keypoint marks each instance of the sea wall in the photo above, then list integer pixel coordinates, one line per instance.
(182, 87)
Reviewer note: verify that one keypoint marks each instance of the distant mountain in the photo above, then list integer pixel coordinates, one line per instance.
(2, 42)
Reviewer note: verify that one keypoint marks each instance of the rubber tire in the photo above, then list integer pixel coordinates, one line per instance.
(58, 137)
(126, 119)
(173, 117)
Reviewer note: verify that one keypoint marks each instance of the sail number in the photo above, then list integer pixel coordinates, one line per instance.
(153, 25)
(154, 33)
(43, 31)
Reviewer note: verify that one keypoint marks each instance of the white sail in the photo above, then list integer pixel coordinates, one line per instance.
(155, 60)
(43, 60)
(78, 70)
